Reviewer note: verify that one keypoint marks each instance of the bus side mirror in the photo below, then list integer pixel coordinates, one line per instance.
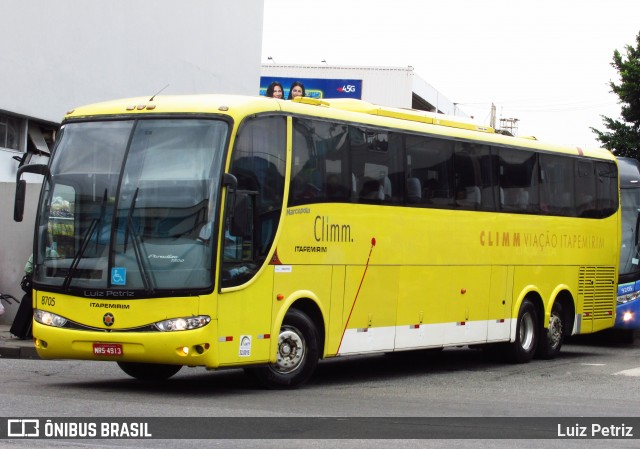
(242, 216)
(21, 187)
(18, 205)
(240, 207)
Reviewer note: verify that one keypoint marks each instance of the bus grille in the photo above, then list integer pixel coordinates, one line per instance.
(596, 287)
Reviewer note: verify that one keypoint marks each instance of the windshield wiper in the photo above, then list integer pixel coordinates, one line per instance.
(138, 247)
(100, 218)
(85, 242)
(132, 205)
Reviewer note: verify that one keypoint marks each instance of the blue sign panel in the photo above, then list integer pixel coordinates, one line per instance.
(625, 289)
(317, 87)
(118, 276)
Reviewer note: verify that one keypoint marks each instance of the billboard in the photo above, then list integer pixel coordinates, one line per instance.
(317, 87)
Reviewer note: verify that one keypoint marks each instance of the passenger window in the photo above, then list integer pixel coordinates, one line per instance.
(606, 189)
(320, 170)
(556, 185)
(473, 183)
(377, 165)
(430, 180)
(585, 174)
(518, 180)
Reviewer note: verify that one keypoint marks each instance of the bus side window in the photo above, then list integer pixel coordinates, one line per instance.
(607, 199)
(320, 169)
(429, 171)
(377, 157)
(556, 185)
(585, 173)
(259, 165)
(518, 180)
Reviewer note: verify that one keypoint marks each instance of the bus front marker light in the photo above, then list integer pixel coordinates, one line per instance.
(48, 318)
(183, 323)
(180, 324)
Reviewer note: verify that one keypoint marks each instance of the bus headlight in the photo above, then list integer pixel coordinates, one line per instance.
(628, 316)
(626, 298)
(183, 324)
(48, 318)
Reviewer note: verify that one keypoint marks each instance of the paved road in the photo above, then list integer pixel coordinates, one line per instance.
(589, 379)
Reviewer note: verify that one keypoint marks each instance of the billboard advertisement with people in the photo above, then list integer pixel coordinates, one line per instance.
(311, 87)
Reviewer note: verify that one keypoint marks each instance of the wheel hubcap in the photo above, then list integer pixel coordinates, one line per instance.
(555, 330)
(526, 332)
(290, 350)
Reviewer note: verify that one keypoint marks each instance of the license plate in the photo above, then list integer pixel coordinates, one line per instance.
(107, 349)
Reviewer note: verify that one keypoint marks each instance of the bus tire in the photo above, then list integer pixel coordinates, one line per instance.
(297, 357)
(551, 339)
(149, 371)
(523, 348)
(627, 336)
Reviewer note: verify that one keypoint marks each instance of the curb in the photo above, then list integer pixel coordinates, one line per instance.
(14, 348)
(8, 351)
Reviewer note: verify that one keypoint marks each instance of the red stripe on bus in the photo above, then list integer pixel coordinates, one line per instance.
(366, 267)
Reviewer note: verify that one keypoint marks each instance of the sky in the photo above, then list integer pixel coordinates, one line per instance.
(546, 63)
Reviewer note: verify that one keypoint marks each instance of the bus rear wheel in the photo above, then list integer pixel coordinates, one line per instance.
(297, 356)
(149, 371)
(551, 339)
(523, 348)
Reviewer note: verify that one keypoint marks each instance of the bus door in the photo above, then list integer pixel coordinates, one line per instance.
(252, 215)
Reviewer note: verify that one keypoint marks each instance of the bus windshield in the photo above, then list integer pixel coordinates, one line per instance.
(128, 207)
(630, 250)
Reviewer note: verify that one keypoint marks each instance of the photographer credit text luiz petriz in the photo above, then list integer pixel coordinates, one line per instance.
(594, 430)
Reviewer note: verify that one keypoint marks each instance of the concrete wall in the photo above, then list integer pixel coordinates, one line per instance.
(15, 244)
(57, 55)
(436, 98)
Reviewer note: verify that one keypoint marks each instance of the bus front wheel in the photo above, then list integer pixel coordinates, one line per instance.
(523, 348)
(149, 371)
(297, 354)
(551, 338)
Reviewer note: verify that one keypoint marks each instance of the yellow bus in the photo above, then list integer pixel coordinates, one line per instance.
(230, 231)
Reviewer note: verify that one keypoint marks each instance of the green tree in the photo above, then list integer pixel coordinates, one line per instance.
(623, 136)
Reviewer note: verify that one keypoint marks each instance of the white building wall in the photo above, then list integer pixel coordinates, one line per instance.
(428, 92)
(57, 55)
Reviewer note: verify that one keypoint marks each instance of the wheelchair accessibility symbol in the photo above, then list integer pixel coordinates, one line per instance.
(118, 276)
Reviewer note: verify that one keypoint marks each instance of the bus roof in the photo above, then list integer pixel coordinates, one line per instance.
(354, 110)
(432, 118)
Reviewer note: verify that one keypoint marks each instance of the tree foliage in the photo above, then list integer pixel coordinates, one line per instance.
(623, 136)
